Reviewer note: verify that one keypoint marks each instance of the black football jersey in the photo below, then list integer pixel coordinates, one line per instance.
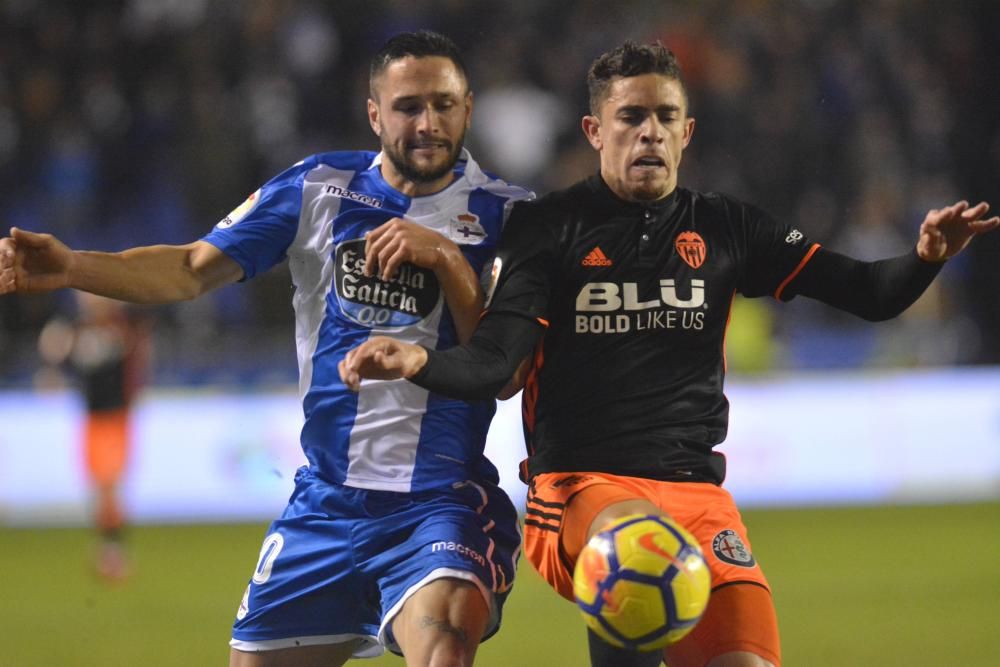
(628, 378)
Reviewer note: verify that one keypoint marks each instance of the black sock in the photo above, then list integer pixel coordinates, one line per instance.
(603, 654)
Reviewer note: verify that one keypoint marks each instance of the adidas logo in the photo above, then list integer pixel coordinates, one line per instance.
(596, 257)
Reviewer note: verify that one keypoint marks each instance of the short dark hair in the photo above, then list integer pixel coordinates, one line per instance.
(419, 44)
(630, 59)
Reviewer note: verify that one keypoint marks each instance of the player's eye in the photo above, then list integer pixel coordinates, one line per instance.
(409, 109)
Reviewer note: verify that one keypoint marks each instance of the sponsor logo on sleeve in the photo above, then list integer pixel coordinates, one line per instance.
(408, 298)
(240, 211)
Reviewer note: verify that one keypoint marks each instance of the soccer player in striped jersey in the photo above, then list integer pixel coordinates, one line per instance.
(397, 534)
(630, 278)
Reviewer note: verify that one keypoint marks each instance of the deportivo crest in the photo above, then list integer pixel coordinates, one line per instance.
(409, 297)
(240, 211)
(466, 230)
(729, 548)
(691, 248)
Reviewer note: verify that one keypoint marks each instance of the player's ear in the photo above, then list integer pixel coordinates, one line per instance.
(468, 110)
(688, 131)
(373, 117)
(592, 130)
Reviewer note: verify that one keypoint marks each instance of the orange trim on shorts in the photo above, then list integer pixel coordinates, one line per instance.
(798, 269)
(105, 444)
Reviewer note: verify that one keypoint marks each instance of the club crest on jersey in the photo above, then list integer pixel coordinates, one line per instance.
(691, 248)
(465, 229)
(729, 548)
(240, 211)
(409, 297)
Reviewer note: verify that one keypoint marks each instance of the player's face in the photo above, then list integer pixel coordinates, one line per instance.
(421, 110)
(640, 131)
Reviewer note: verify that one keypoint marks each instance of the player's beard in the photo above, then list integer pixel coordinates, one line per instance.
(412, 172)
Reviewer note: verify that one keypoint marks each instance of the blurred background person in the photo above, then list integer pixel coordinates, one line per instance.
(104, 350)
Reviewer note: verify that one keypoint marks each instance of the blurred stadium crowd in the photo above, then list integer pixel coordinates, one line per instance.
(146, 121)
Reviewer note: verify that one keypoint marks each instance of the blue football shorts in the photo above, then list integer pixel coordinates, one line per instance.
(341, 561)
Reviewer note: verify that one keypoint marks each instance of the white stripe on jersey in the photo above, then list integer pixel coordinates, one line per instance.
(310, 263)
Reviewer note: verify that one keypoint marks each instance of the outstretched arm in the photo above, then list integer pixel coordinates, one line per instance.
(31, 262)
(478, 369)
(398, 241)
(882, 290)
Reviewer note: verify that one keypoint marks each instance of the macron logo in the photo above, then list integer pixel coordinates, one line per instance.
(596, 257)
(360, 197)
(460, 549)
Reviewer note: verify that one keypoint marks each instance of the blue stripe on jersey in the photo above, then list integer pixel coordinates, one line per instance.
(390, 435)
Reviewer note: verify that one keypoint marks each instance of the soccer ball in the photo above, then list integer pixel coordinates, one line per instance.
(642, 582)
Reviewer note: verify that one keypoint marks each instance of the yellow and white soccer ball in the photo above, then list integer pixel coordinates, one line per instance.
(642, 582)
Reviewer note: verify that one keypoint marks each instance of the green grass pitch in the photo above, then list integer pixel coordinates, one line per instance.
(885, 586)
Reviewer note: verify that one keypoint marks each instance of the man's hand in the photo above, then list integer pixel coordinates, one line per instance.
(397, 241)
(381, 358)
(945, 232)
(32, 262)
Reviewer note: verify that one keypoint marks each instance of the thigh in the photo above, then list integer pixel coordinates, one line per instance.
(710, 514)
(739, 618)
(561, 508)
(303, 656)
(305, 589)
(466, 534)
(442, 621)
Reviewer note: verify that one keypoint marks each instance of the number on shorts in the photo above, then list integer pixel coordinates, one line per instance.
(268, 552)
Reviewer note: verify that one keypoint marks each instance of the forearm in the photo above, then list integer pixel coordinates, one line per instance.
(874, 291)
(482, 367)
(462, 292)
(150, 274)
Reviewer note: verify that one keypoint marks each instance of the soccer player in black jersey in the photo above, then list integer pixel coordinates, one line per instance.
(618, 290)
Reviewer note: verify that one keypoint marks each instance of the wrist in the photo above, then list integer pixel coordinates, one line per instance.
(417, 362)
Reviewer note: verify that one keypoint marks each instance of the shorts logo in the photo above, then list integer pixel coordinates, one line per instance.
(460, 549)
(409, 297)
(691, 248)
(240, 211)
(729, 548)
(793, 237)
(244, 605)
(596, 257)
(465, 229)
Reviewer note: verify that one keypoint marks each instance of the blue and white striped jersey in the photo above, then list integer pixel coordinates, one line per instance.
(392, 435)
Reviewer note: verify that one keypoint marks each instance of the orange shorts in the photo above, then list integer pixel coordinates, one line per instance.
(105, 444)
(738, 618)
